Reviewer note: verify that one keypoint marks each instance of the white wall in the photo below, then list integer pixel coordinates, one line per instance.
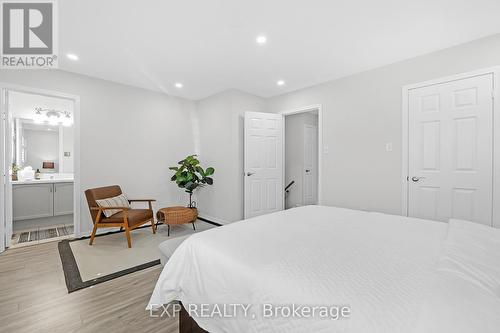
(129, 136)
(221, 142)
(294, 155)
(41, 146)
(361, 113)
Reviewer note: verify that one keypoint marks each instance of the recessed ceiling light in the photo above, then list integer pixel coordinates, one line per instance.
(179, 85)
(261, 40)
(280, 83)
(72, 56)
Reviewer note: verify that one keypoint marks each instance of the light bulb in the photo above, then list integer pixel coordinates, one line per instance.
(67, 121)
(38, 118)
(53, 120)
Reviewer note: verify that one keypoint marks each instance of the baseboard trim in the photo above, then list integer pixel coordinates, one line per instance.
(208, 221)
(211, 219)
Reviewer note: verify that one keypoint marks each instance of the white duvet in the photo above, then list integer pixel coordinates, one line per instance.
(376, 264)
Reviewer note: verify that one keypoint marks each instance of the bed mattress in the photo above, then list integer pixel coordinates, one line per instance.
(375, 264)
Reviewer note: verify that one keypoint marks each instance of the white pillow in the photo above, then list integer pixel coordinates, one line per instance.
(118, 201)
(472, 252)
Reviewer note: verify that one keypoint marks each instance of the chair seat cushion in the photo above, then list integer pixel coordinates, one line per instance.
(135, 217)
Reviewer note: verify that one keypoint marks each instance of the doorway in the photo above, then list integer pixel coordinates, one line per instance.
(265, 155)
(40, 155)
(301, 159)
(449, 153)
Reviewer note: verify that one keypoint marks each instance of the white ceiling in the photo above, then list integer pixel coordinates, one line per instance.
(209, 45)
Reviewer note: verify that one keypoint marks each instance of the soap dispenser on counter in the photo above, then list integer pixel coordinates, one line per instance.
(37, 174)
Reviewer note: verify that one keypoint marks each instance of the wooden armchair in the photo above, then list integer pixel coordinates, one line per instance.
(127, 218)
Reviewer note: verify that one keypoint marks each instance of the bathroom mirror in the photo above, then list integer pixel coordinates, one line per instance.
(45, 147)
(35, 144)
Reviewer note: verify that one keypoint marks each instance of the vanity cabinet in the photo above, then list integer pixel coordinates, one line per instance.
(31, 201)
(63, 199)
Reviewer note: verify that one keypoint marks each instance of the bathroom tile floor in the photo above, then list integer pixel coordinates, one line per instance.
(41, 235)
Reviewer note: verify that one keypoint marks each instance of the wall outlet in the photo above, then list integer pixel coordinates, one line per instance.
(388, 146)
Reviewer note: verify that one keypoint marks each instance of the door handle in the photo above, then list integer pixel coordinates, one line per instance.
(307, 170)
(250, 173)
(416, 179)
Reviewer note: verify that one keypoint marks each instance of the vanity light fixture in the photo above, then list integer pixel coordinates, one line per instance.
(53, 117)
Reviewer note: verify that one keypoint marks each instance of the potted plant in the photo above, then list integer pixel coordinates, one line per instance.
(15, 169)
(189, 175)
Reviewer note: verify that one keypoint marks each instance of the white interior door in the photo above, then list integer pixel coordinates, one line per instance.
(451, 150)
(310, 172)
(263, 163)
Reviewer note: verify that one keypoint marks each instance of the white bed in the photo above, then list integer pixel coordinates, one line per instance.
(383, 267)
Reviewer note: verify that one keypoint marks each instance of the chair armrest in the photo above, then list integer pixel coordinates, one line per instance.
(139, 200)
(149, 201)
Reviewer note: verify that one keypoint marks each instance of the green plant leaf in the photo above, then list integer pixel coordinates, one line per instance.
(190, 175)
(200, 170)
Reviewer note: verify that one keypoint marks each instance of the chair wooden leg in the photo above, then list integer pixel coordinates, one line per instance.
(127, 233)
(153, 226)
(92, 236)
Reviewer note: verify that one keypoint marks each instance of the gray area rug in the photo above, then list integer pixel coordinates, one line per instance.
(109, 257)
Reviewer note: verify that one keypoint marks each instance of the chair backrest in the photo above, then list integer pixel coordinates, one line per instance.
(99, 193)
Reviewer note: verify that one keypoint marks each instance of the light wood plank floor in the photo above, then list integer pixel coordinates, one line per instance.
(34, 298)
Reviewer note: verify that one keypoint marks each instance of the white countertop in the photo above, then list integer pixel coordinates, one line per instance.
(43, 181)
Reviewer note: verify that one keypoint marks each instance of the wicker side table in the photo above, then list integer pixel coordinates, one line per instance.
(177, 215)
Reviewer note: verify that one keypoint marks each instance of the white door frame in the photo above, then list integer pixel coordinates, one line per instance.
(309, 108)
(495, 71)
(5, 178)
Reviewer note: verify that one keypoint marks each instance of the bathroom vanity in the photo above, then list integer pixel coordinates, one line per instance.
(33, 199)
